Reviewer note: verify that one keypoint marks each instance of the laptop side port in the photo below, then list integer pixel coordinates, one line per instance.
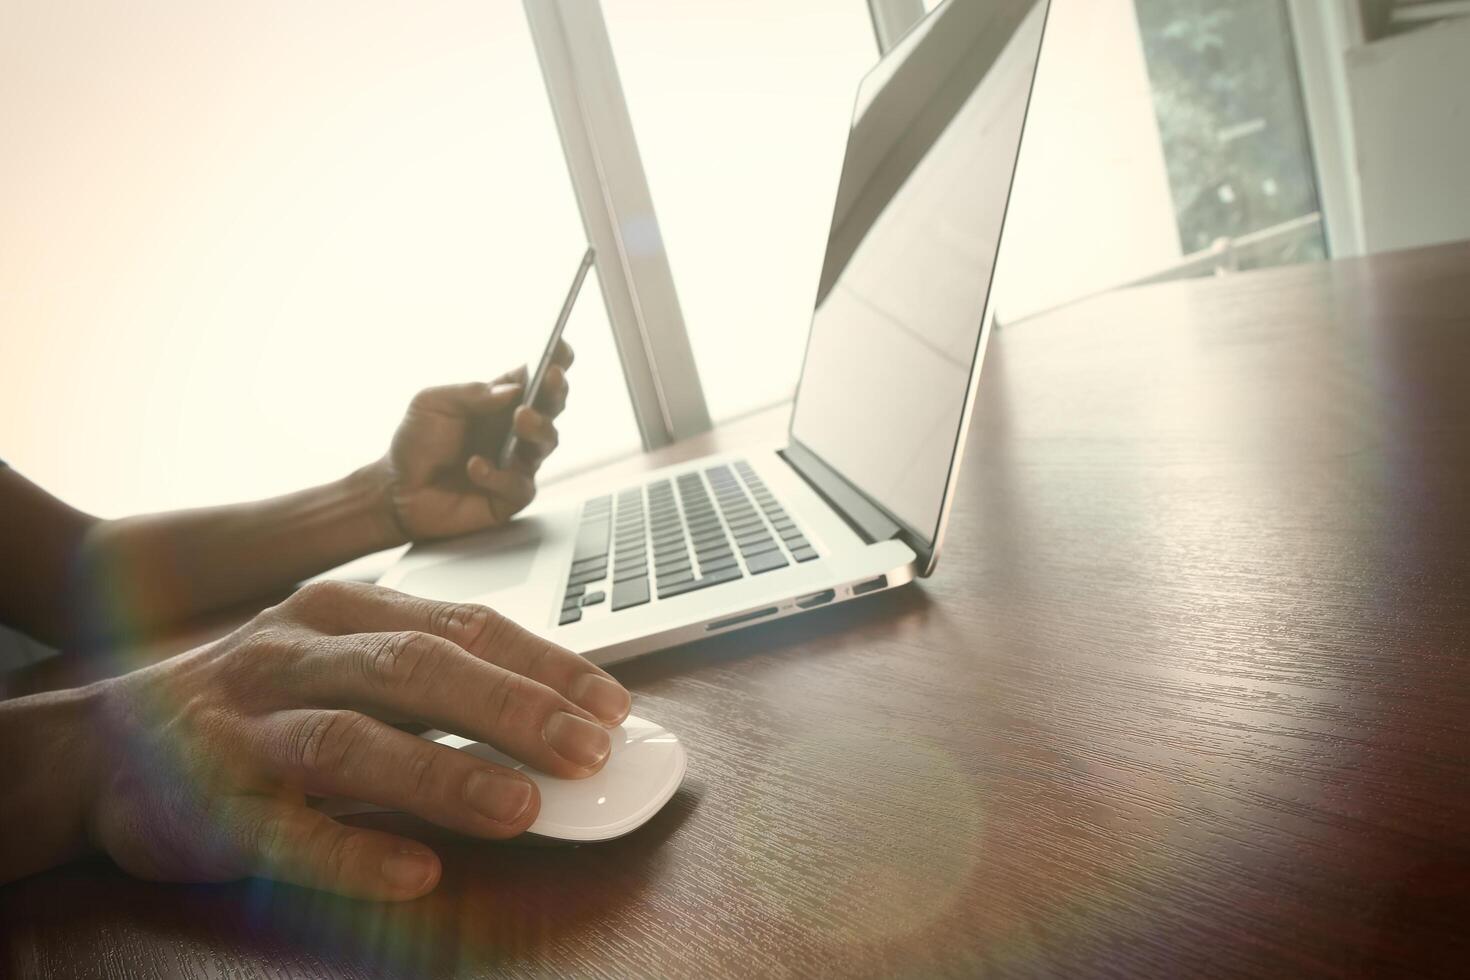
(871, 585)
(816, 599)
(720, 624)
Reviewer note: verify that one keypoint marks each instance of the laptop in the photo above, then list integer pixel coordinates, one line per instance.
(853, 502)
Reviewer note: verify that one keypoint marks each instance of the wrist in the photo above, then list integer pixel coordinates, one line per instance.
(372, 494)
(49, 744)
(90, 727)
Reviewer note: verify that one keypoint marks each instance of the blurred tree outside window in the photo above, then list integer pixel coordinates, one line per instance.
(1234, 135)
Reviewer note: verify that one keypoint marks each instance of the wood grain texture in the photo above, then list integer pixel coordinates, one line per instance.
(1188, 695)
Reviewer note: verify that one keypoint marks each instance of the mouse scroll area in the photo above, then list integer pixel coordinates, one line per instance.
(644, 768)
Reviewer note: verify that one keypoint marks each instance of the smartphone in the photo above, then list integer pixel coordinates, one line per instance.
(533, 387)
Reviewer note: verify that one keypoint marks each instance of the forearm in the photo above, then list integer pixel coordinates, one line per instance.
(47, 752)
(146, 572)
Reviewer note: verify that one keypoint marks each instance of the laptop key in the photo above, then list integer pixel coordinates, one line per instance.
(673, 578)
(768, 562)
(622, 574)
(632, 592)
(594, 574)
(759, 548)
(714, 578)
(591, 541)
(803, 554)
(718, 564)
(593, 598)
(571, 615)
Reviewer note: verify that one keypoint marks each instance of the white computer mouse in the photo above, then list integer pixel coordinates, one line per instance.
(644, 768)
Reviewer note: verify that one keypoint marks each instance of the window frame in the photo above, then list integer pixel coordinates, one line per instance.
(892, 19)
(611, 188)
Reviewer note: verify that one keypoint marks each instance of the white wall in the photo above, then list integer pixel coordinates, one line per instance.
(1411, 114)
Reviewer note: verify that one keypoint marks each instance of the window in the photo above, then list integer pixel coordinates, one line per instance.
(235, 244)
(1230, 121)
(1386, 18)
(1165, 138)
(741, 109)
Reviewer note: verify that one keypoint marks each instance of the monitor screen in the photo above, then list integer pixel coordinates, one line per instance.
(902, 300)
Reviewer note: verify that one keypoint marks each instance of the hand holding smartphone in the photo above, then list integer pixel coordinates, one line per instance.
(533, 387)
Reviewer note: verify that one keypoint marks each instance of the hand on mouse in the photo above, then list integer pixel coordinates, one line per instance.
(441, 470)
(207, 759)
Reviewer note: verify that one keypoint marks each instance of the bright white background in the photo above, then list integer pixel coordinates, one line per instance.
(235, 238)
(741, 109)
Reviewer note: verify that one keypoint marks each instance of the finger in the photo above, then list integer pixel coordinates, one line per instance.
(519, 376)
(517, 649)
(356, 607)
(510, 490)
(345, 754)
(564, 355)
(422, 677)
(532, 427)
(473, 398)
(551, 400)
(289, 842)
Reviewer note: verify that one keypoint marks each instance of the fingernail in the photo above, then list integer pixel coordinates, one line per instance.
(576, 739)
(479, 467)
(603, 697)
(499, 796)
(409, 870)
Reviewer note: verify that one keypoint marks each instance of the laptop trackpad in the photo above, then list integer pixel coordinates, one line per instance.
(477, 564)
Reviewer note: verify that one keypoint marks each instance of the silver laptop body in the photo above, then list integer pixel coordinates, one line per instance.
(854, 501)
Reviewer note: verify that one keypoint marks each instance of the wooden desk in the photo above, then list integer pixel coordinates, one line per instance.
(1189, 694)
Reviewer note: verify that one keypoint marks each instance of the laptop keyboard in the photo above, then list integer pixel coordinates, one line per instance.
(672, 537)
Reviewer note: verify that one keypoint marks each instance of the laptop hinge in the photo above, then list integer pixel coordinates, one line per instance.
(870, 523)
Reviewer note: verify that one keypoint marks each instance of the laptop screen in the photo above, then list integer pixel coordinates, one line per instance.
(902, 299)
